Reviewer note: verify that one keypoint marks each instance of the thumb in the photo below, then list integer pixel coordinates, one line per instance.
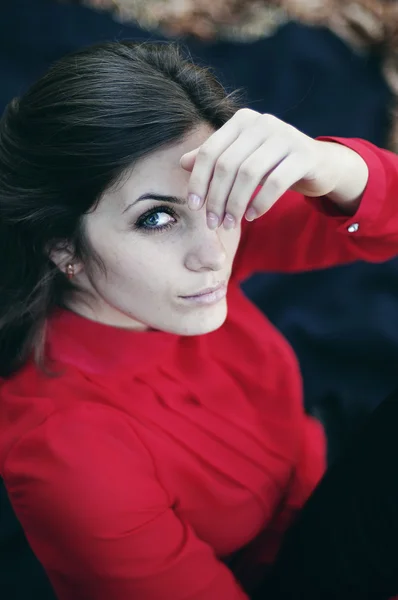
(187, 160)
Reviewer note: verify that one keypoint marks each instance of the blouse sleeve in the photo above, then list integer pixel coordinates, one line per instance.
(302, 234)
(86, 493)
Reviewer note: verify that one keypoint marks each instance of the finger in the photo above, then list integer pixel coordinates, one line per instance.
(211, 150)
(250, 175)
(187, 160)
(226, 171)
(291, 170)
(187, 163)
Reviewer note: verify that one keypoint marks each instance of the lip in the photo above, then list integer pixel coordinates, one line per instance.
(209, 295)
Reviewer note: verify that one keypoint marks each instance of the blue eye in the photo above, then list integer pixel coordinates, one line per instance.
(157, 219)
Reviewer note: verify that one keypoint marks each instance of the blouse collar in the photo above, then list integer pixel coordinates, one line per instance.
(96, 347)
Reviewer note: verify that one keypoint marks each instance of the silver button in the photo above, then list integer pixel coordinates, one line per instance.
(353, 228)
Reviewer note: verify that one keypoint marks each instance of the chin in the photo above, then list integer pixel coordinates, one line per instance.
(201, 321)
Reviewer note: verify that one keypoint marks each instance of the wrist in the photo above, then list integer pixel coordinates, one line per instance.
(351, 176)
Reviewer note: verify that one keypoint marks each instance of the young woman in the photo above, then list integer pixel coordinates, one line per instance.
(153, 441)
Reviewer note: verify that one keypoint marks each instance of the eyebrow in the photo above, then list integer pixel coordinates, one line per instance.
(158, 198)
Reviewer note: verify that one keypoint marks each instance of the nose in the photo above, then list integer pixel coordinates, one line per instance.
(207, 252)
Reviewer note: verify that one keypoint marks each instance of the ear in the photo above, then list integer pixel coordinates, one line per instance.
(62, 254)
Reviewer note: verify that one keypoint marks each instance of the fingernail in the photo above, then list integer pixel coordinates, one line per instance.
(193, 201)
(229, 221)
(251, 214)
(212, 220)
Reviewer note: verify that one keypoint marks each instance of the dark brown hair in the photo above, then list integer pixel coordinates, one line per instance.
(62, 144)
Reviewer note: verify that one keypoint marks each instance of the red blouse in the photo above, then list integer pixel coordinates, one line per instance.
(142, 469)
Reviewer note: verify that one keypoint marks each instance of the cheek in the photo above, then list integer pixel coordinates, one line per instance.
(142, 266)
(230, 240)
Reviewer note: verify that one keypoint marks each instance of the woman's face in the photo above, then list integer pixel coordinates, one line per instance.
(162, 262)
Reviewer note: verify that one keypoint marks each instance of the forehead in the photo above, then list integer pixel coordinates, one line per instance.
(160, 172)
(165, 162)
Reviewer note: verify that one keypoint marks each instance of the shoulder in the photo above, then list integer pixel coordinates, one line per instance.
(83, 487)
(80, 458)
(39, 413)
(30, 397)
(68, 430)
